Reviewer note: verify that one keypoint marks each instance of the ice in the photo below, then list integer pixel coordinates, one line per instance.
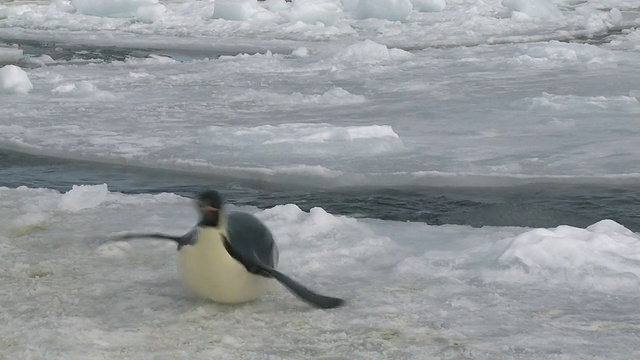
(276, 5)
(394, 10)
(413, 290)
(80, 90)
(369, 52)
(14, 80)
(578, 53)
(335, 96)
(537, 9)
(303, 139)
(115, 8)
(321, 95)
(235, 9)
(326, 12)
(300, 52)
(604, 256)
(572, 104)
(429, 5)
(36, 61)
(629, 40)
(150, 13)
(9, 55)
(83, 197)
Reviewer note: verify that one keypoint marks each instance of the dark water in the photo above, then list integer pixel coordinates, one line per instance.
(79, 53)
(535, 205)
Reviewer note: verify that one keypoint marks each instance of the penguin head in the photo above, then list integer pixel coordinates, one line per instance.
(209, 205)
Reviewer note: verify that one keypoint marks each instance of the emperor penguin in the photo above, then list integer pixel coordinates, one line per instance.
(231, 257)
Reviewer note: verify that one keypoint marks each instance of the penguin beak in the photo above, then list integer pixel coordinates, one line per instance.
(209, 208)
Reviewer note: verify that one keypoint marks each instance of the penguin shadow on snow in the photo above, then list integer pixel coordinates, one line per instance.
(231, 257)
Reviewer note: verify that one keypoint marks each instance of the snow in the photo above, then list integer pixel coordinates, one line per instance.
(320, 95)
(413, 290)
(14, 80)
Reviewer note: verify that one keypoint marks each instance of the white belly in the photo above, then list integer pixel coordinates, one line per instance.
(210, 272)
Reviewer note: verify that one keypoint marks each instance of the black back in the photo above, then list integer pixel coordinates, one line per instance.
(250, 242)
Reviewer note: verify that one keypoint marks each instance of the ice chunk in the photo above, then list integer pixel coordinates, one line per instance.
(310, 139)
(82, 89)
(235, 9)
(9, 55)
(41, 60)
(540, 9)
(560, 51)
(429, 5)
(369, 52)
(82, 197)
(335, 96)
(605, 250)
(111, 8)
(14, 80)
(150, 13)
(313, 11)
(393, 10)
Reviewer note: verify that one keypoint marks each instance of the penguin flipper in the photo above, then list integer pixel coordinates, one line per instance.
(189, 238)
(313, 298)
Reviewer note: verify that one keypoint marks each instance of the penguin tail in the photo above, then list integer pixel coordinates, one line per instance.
(311, 297)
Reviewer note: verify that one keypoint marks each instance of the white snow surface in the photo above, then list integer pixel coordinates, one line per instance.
(477, 93)
(414, 291)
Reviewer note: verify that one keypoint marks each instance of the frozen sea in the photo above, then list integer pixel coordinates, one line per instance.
(465, 173)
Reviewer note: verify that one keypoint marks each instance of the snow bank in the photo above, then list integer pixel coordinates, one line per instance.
(605, 250)
(394, 10)
(14, 80)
